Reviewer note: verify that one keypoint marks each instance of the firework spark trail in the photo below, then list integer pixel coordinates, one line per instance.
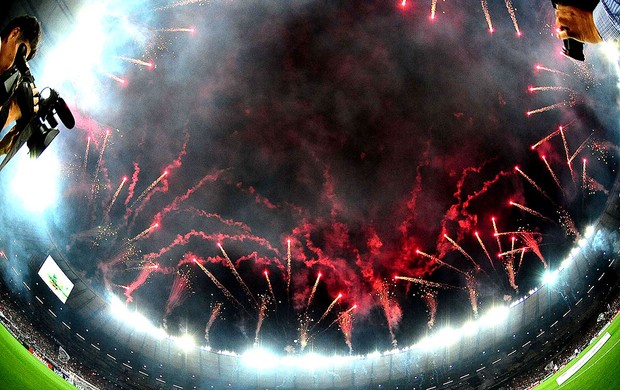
(346, 312)
(530, 240)
(484, 249)
(346, 326)
(508, 264)
(148, 189)
(219, 285)
(551, 88)
(570, 166)
(304, 335)
(568, 225)
(179, 4)
(513, 16)
(180, 291)
(555, 178)
(521, 260)
(142, 277)
(529, 210)
(143, 233)
(584, 177)
(541, 67)
(426, 283)
(580, 148)
(433, 9)
(174, 205)
(547, 108)
(114, 77)
(393, 312)
(473, 294)
(85, 162)
(288, 269)
(261, 317)
(95, 187)
(487, 15)
(316, 283)
(134, 181)
(547, 138)
(499, 244)
(513, 251)
(175, 29)
(273, 295)
(137, 61)
(215, 313)
(118, 191)
(329, 309)
(430, 298)
(533, 183)
(440, 262)
(458, 247)
(237, 276)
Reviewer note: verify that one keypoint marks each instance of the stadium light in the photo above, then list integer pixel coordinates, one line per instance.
(495, 316)
(550, 277)
(260, 359)
(185, 342)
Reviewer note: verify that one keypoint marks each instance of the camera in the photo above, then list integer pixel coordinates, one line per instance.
(571, 47)
(43, 123)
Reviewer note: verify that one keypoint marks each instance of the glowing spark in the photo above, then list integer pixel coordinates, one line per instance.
(426, 283)
(261, 317)
(529, 210)
(316, 283)
(136, 61)
(95, 187)
(288, 269)
(180, 4)
(487, 15)
(550, 88)
(583, 176)
(541, 67)
(533, 183)
(346, 326)
(329, 308)
(118, 191)
(180, 290)
(555, 178)
(547, 108)
(433, 8)
(547, 138)
(215, 313)
(237, 276)
(460, 249)
(513, 16)
(473, 294)
(430, 298)
(520, 262)
(148, 189)
(119, 80)
(219, 285)
(270, 287)
(579, 149)
(176, 29)
(392, 310)
(435, 259)
(499, 244)
(85, 163)
(570, 167)
(484, 249)
(144, 233)
(508, 264)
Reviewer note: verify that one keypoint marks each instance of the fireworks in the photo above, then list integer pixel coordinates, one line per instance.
(148, 189)
(181, 288)
(529, 210)
(273, 295)
(487, 15)
(438, 261)
(345, 320)
(118, 191)
(85, 162)
(547, 108)
(288, 269)
(119, 80)
(144, 233)
(329, 308)
(499, 244)
(549, 88)
(460, 249)
(433, 9)
(219, 285)
(484, 249)
(424, 282)
(136, 61)
(544, 68)
(216, 309)
(237, 276)
(261, 316)
(513, 16)
(316, 283)
(95, 187)
(555, 178)
(533, 183)
(392, 310)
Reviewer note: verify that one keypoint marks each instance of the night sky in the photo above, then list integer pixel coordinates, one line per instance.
(361, 131)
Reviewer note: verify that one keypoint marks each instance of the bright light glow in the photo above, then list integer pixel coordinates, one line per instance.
(589, 231)
(470, 328)
(35, 184)
(136, 320)
(260, 359)
(185, 342)
(611, 51)
(550, 277)
(495, 316)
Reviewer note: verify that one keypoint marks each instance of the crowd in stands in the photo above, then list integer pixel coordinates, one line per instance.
(533, 378)
(17, 323)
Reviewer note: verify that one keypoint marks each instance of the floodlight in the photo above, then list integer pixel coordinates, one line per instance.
(260, 359)
(550, 277)
(185, 342)
(495, 316)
